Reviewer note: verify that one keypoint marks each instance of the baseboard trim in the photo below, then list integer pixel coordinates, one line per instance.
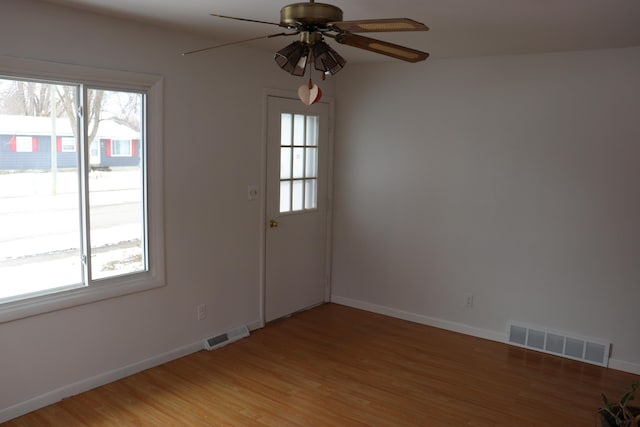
(419, 318)
(619, 365)
(256, 324)
(57, 395)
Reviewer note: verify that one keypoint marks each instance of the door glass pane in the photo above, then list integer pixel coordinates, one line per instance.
(298, 194)
(311, 169)
(116, 185)
(299, 130)
(298, 162)
(310, 194)
(285, 196)
(312, 131)
(286, 129)
(285, 163)
(40, 235)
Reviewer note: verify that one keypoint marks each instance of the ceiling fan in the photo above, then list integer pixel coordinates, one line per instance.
(313, 21)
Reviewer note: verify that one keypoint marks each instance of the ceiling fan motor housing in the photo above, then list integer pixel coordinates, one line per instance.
(309, 14)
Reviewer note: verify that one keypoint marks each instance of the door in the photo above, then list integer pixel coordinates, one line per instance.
(94, 153)
(296, 206)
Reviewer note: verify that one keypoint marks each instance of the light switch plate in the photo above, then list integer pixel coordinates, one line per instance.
(252, 192)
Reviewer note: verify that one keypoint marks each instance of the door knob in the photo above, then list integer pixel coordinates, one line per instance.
(273, 223)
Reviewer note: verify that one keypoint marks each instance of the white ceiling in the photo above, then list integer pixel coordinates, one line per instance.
(458, 28)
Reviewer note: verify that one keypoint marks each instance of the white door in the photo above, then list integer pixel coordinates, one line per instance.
(296, 206)
(94, 152)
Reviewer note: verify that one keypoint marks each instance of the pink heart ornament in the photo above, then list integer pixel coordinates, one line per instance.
(309, 95)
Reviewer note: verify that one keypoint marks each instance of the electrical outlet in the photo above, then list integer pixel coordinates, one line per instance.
(202, 311)
(468, 302)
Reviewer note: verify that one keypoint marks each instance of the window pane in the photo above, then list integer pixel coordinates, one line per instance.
(116, 186)
(285, 129)
(285, 163)
(311, 194)
(311, 169)
(68, 144)
(285, 196)
(40, 239)
(298, 130)
(298, 163)
(121, 148)
(312, 131)
(25, 144)
(298, 191)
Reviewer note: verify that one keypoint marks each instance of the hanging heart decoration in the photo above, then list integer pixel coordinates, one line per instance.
(309, 93)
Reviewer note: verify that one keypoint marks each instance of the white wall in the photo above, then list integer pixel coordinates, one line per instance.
(513, 178)
(213, 117)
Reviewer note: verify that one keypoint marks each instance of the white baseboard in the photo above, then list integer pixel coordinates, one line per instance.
(419, 318)
(256, 324)
(105, 378)
(68, 390)
(619, 365)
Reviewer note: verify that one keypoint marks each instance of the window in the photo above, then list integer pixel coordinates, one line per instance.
(77, 224)
(25, 144)
(298, 162)
(68, 144)
(121, 148)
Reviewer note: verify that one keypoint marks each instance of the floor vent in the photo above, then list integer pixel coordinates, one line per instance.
(589, 350)
(226, 338)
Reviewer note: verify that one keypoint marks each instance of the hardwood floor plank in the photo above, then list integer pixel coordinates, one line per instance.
(338, 366)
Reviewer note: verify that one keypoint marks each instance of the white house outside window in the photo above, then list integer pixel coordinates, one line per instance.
(76, 224)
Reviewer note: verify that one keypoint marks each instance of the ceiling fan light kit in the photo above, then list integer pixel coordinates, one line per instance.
(312, 22)
(294, 58)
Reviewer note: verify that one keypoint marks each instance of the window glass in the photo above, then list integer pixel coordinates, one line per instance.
(312, 130)
(286, 129)
(298, 194)
(24, 144)
(285, 162)
(298, 130)
(310, 194)
(121, 148)
(298, 162)
(48, 241)
(40, 234)
(68, 144)
(116, 193)
(285, 196)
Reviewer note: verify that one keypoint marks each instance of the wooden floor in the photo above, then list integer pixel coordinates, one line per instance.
(337, 366)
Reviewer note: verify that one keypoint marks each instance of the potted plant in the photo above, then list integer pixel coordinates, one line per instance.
(620, 414)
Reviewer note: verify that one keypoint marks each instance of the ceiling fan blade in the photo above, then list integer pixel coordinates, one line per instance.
(238, 42)
(384, 48)
(247, 20)
(379, 25)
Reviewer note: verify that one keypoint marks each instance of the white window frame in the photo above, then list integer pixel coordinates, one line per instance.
(117, 286)
(24, 144)
(68, 144)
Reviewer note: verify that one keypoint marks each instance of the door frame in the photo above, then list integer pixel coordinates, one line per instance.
(263, 196)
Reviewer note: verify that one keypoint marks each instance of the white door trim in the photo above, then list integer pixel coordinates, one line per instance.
(263, 191)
